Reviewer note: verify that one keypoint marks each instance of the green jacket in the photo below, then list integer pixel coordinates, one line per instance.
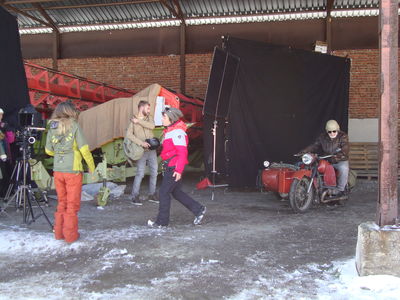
(68, 149)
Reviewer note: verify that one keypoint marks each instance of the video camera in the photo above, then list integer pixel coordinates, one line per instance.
(30, 127)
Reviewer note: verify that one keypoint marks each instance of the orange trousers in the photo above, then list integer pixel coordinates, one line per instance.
(68, 188)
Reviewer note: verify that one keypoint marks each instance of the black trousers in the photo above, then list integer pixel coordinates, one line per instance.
(170, 186)
(5, 182)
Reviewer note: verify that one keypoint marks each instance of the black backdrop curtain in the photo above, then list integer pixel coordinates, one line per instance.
(13, 85)
(216, 109)
(280, 102)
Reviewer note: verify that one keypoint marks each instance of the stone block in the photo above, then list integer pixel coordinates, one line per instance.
(378, 250)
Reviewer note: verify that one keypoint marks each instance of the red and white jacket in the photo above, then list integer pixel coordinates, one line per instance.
(175, 145)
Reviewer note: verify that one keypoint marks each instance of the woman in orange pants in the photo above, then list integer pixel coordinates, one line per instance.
(65, 141)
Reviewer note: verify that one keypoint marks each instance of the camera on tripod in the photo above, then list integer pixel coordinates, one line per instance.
(20, 190)
(30, 124)
(27, 136)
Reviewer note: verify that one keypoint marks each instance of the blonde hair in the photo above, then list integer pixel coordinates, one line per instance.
(65, 113)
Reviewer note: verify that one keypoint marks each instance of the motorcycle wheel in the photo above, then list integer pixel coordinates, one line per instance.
(299, 199)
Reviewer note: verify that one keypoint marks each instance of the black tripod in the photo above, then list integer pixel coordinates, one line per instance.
(23, 196)
(214, 171)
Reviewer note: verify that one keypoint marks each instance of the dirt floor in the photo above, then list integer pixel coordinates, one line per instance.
(250, 246)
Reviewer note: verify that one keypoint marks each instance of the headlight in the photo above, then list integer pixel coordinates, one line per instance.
(266, 163)
(307, 158)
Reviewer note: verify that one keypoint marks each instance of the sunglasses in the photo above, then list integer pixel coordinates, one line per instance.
(333, 131)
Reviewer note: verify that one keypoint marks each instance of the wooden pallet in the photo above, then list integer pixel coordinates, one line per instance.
(367, 174)
(364, 159)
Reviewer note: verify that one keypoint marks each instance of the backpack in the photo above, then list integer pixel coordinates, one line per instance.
(132, 151)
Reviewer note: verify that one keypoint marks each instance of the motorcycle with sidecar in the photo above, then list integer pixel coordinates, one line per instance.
(312, 181)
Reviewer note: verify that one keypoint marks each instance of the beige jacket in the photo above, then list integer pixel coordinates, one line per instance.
(140, 131)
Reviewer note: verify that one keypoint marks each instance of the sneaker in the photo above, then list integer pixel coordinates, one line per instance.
(153, 198)
(153, 224)
(199, 217)
(136, 200)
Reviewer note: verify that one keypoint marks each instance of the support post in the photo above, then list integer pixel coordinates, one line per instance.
(174, 7)
(388, 134)
(328, 26)
(56, 49)
(183, 57)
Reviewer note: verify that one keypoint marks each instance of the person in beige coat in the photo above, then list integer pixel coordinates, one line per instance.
(140, 129)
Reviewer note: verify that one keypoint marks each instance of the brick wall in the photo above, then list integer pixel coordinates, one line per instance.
(364, 72)
(138, 72)
(197, 72)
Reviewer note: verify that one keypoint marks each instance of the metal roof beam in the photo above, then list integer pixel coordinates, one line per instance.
(179, 10)
(95, 5)
(46, 16)
(14, 9)
(29, 1)
(175, 9)
(56, 53)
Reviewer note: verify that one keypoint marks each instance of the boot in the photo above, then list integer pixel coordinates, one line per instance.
(70, 227)
(58, 226)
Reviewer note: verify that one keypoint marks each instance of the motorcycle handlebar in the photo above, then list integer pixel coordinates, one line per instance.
(326, 156)
(320, 157)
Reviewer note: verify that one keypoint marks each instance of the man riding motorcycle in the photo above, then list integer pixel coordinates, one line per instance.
(334, 142)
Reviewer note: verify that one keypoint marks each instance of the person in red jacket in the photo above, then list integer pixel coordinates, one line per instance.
(174, 155)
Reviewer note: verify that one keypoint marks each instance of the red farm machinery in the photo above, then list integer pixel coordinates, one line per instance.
(48, 87)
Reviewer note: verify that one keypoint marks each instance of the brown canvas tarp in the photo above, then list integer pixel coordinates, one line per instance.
(109, 121)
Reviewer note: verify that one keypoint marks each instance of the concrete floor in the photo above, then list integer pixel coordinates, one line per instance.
(250, 246)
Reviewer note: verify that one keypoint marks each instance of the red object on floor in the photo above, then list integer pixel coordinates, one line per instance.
(205, 183)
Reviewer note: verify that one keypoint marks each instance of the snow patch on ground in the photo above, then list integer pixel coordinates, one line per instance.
(334, 281)
(343, 282)
(55, 285)
(338, 281)
(24, 242)
(66, 285)
(22, 246)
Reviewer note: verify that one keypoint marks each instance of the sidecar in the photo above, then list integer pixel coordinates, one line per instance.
(278, 177)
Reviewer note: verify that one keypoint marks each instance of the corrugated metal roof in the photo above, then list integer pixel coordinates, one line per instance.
(90, 12)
